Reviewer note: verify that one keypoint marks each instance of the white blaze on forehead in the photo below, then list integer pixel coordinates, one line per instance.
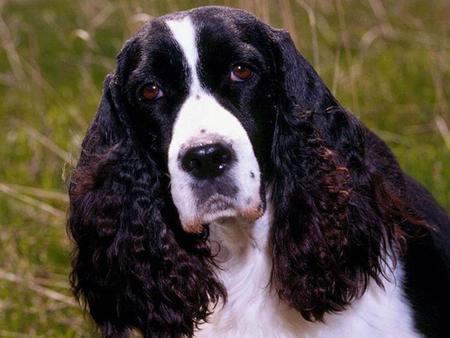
(202, 120)
(184, 33)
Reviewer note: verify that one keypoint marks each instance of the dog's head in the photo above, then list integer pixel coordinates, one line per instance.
(200, 92)
(206, 112)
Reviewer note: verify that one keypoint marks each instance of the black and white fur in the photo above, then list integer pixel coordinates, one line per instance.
(311, 231)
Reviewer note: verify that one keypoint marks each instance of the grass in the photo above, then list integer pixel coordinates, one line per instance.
(387, 61)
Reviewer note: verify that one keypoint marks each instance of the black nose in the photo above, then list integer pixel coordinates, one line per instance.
(207, 161)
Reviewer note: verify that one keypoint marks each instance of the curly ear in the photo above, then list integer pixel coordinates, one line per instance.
(133, 265)
(336, 218)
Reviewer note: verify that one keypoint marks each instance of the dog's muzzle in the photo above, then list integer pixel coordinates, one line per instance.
(213, 170)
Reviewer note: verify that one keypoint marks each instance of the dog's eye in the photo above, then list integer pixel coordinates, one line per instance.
(240, 73)
(151, 92)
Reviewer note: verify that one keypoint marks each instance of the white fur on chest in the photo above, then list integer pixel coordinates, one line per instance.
(253, 310)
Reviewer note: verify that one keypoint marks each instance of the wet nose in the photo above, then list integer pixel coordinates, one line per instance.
(207, 161)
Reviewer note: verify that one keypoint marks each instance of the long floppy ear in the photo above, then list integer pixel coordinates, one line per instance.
(133, 265)
(336, 219)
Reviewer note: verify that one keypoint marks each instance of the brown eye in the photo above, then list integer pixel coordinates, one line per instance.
(151, 92)
(240, 73)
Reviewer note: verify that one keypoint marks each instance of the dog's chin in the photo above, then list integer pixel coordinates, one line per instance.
(222, 209)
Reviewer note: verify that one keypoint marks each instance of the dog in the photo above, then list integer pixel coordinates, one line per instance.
(222, 191)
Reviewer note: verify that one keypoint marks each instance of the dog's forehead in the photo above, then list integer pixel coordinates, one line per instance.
(213, 23)
(195, 38)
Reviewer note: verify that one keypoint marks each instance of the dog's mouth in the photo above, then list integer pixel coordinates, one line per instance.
(221, 209)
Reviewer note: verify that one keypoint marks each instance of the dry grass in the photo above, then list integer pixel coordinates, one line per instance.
(388, 61)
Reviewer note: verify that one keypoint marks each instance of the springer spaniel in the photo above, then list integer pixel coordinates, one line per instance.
(222, 191)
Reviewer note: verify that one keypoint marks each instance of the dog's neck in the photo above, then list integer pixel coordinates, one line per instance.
(233, 241)
(245, 264)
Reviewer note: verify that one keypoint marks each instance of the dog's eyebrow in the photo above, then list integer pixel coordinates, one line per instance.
(245, 52)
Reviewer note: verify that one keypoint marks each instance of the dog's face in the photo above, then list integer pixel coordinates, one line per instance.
(203, 88)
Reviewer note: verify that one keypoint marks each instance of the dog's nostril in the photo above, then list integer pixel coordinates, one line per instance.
(193, 164)
(224, 158)
(207, 161)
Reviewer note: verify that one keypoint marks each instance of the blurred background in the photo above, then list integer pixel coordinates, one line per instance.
(387, 61)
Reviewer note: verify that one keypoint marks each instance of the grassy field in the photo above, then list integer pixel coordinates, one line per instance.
(387, 61)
